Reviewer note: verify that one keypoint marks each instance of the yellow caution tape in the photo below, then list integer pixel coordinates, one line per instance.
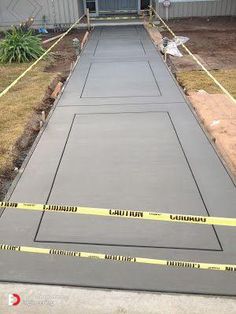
(123, 213)
(115, 18)
(120, 258)
(6, 90)
(195, 58)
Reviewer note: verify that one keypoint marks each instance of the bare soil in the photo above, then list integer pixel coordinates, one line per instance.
(218, 115)
(64, 53)
(213, 39)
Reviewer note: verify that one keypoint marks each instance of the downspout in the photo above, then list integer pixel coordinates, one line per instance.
(139, 6)
(97, 7)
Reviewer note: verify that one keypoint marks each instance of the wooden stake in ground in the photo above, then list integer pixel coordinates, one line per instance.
(88, 19)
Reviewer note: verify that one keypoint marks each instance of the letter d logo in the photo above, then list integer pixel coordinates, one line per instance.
(13, 299)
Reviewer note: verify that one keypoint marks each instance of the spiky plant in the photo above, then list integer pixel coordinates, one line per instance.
(19, 46)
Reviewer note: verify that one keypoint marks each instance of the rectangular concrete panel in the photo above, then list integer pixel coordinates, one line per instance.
(123, 156)
(119, 47)
(120, 79)
(114, 32)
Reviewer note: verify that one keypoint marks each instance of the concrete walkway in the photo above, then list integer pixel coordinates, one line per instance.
(60, 300)
(122, 136)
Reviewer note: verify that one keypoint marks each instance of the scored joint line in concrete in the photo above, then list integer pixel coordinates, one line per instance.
(122, 136)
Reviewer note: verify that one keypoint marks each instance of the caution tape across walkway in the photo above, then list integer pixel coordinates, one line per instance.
(123, 213)
(230, 268)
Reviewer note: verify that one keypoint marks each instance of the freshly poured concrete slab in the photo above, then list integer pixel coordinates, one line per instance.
(120, 79)
(143, 152)
(120, 32)
(124, 155)
(108, 73)
(119, 47)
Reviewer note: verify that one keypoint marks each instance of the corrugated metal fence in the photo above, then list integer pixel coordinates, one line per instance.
(185, 8)
(54, 12)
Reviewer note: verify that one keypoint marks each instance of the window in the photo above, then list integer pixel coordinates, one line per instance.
(91, 5)
(145, 4)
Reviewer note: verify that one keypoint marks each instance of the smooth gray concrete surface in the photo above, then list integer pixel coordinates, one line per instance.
(60, 300)
(122, 136)
(110, 146)
(110, 80)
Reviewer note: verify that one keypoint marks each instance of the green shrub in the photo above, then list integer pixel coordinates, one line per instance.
(19, 46)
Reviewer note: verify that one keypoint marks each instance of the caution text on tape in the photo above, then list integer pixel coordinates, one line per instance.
(120, 258)
(123, 213)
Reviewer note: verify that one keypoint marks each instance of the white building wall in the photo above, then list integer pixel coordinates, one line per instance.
(68, 11)
(56, 12)
(194, 8)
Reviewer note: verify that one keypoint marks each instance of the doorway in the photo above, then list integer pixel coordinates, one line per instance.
(118, 6)
(145, 4)
(92, 5)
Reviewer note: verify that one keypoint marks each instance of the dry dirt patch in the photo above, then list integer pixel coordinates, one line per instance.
(197, 80)
(213, 39)
(218, 114)
(18, 106)
(20, 109)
